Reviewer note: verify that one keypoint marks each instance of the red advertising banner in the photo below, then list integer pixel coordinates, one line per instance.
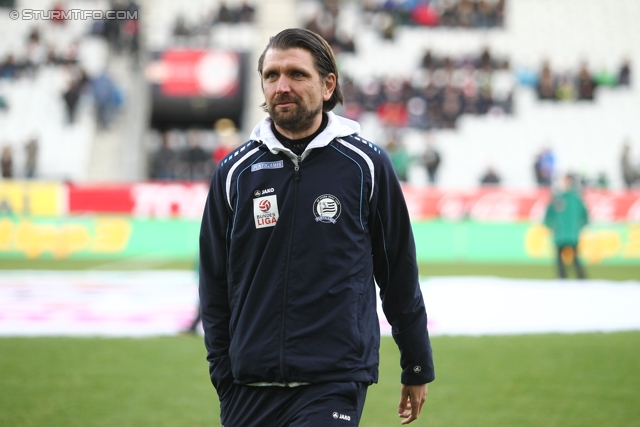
(144, 199)
(487, 204)
(186, 200)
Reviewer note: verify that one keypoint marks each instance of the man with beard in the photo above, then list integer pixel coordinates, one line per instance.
(298, 223)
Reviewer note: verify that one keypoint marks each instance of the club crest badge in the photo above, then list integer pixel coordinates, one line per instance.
(265, 211)
(327, 208)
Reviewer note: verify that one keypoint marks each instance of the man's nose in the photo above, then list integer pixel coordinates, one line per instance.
(283, 85)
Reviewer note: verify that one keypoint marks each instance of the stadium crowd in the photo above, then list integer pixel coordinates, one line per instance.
(441, 90)
(184, 31)
(572, 86)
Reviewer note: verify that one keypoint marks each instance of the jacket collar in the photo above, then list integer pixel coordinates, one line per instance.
(337, 127)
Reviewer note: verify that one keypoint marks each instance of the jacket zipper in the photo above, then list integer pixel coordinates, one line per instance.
(286, 271)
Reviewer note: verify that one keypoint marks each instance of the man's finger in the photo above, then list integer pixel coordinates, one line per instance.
(415, 399)
(404, 401)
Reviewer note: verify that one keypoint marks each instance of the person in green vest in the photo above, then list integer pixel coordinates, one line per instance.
(400, 158)
(566, 215)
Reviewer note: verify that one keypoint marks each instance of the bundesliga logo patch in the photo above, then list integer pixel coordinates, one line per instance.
(265, 211)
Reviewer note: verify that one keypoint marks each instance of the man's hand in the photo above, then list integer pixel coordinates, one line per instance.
(411, 401)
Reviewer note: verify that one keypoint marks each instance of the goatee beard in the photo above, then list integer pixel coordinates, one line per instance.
(295, 120)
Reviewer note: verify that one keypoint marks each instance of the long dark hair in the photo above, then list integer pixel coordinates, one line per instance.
(324, 60)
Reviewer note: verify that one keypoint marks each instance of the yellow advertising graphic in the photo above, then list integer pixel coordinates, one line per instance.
(25, 198)
(60, 240)
(596, 244)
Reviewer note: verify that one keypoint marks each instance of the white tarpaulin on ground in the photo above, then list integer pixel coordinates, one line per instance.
(486, 305)
(96, 303)
(146, 303)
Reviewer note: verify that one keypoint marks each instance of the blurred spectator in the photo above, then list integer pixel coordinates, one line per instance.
(544, 167)
(425, 14)
(448, 13)
(224, 13)
(36, 51)
(385, 24)
(546, 83)
(566, 215)
(586, 85)
(429, 62)
(399, 156)
(602, 181)
(488, 13)
(246, 12)
(371, 95)
(131, 30)
(31, 157)
(629, 172)
(431, 160)
(4, 105)
(624, 74)
(163, 162)
(565, 89)
(9, 69)
(393, 113)
(605, 77)
(6, 162)
(499, 13)
(180, 28)
(490, 177)
(195, 158)
(418, 114)
(451, 106)
(351, 108)
(228, 139)
(485, 61)
(432, 94)
(465, 13)
(107, 97)
(73, 93)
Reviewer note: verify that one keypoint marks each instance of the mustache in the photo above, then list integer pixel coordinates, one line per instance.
(286, 97)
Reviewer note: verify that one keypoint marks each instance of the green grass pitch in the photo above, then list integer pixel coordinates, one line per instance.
(528, 271)
(521, 381)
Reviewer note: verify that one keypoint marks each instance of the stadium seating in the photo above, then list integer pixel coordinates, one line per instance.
(587, 138)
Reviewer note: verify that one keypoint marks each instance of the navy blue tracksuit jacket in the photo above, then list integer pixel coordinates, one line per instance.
(289, 249)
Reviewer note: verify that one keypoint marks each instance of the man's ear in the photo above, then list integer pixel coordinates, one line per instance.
(329, 86)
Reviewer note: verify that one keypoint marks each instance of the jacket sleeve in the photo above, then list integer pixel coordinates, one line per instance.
(396, 272)
(214, 299)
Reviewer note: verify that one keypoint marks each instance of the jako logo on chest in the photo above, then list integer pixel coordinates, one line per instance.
(259, 193)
